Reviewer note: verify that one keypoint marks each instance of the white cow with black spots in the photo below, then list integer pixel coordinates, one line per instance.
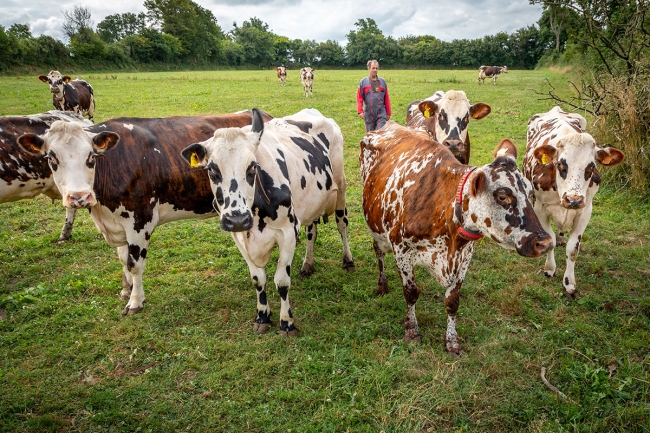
(268, 180)
(307, 80)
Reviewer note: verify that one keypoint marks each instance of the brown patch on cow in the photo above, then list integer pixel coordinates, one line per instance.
(473, 217)
(488, 222)
(508, 230)
(452, 301)
(543, 177)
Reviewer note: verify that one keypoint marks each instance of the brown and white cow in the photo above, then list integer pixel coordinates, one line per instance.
(24, 175)
(560, 161)
(76, 95)
(491, 71)
(307, 80)
(445, 116)
(268, 180)
(282, 75)
(428, 209)
(131, 176)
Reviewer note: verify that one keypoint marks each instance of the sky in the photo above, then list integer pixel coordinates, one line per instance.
(318, 20)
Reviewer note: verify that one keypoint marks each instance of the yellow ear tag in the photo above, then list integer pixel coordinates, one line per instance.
(427, 113)
(194, 160)
(545, 159)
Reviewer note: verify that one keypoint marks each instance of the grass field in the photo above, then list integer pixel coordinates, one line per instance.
(191, 362)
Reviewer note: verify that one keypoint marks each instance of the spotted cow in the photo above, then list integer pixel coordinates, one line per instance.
(560, 161)
(24, 175)
(282, 75)
(129, 173)
(491, 71)
(307, 80)
(428, 209)
(70, 95)
(268, 180)
(445, 116)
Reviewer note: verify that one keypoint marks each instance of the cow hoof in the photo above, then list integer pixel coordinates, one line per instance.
(453, 348)
(306, 271)
(547, 274)
(288, 333)
(572, 296)
(348, 265)
(412, 337)
(261, 328)
(131, 311)
(62, 240)
(382, 285)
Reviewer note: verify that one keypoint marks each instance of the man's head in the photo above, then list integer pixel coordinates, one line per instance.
(373, 67)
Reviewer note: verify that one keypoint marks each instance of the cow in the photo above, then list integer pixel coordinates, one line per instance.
(307, 80)
(282, 75)
(428, 209)
(445, 116)
(24, 175)
(129, 173)
(491, 71)
(268, 180)
(560, 161)
(70, 95)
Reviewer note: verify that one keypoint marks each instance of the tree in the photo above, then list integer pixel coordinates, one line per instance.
(256, 41)
(330, 53)
(21, 31)
(115, 27)
(77, 21)
(368, 42)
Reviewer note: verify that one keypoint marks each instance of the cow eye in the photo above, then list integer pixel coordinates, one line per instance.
(51, 160)
(215, 175)
(250, 174)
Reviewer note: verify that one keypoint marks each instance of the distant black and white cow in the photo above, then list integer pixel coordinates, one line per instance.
(560, 161)
(445, 116)
(129, 173)
(307, 80)
(76, 95)
(282, 75)
(491, 71)
(25, 175)
(268, 180)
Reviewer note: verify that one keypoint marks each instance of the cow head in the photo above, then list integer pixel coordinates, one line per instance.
(574, 158)
(503, 69)
(56, 82)
(229, 159)
(71, 153)
(495, 201)
(446, 119)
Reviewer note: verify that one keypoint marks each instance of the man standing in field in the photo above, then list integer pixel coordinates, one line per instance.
(373, 92)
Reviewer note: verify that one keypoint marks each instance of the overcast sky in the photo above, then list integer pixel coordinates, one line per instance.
(308, 19)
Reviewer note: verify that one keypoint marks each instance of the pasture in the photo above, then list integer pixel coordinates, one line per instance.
(190, 361)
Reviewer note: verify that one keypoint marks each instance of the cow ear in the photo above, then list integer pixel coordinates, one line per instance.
(544, 154)
(43, 78)
(32, 143)
(427, 108)
(478, 183)
(479, 110)
(258, 122)
(195, 155)
(609, 156)
(66, 79)
(104, 141)
(506, 148)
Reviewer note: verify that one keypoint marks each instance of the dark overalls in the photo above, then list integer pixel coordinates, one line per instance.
(374, 102)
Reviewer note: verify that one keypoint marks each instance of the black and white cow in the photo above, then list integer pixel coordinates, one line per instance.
(307, 80)
(141, 183)
(25, 175)
(560, 161)
(76, 95)
(491, 71)
(268, 180)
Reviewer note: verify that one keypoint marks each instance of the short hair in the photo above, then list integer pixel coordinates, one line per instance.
(370, 62)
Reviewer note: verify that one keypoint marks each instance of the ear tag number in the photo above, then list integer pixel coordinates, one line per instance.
(194, 160)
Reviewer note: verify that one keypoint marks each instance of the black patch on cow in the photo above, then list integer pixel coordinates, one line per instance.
(595, 178)
(443, 122)
(226, 202)
(339, 213)
(263, 317)
(250, 173)
(324, 140)
(90, 161)
(233, 185)
(219, 196)
(124, 215)
(52, 160)
(303, 126)
(310, 236)
(214, 173)
(288, 269)
(589, 170)
(303, 182)
(71, 97)
(318, 159)
(566, 281)
(562, 168)
(134, 255)
(147, 236)
(282, 164)
(283, 291)
(318, 184)
(278, 196)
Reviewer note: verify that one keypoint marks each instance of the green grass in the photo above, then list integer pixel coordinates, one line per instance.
(190, 361)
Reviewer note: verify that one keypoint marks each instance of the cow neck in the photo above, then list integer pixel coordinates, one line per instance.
(467, 234)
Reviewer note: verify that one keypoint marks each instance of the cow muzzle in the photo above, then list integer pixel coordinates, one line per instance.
(78, 200)
(237, 222)
(573, 201)
(535, 244)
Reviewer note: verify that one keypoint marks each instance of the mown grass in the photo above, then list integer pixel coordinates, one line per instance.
(190, 361)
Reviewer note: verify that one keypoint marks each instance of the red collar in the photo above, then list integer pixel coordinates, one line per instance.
(468, 235)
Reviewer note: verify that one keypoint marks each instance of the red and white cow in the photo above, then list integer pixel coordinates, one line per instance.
(282, 75)
(76, 95)
(268, 180)
(560, 161)
(427, 208)
(139, 182)
(491, 71)
(307, 80)
(445, 116)
(24, 175)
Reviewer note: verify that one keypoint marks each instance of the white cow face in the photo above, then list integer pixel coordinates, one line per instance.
(575, 157)
(71, 152)
(56, 82)
(229, 159)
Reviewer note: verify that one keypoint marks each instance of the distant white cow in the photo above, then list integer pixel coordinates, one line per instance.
(307, 80)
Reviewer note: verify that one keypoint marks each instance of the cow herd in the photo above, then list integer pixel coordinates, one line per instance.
(265, 177)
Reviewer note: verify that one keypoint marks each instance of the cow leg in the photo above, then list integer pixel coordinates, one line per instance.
(572, 250)
(411, 295)
(549, 266)
(66, 231)
(560, 240)
(452, 299)
(342, 226)
(127, 278)
(287, 247)
(134, 265)
(308, 263)
(382, 282)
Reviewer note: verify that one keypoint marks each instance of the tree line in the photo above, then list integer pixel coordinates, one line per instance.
(182, 33)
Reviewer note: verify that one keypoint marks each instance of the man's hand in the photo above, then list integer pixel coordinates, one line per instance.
(361, 115)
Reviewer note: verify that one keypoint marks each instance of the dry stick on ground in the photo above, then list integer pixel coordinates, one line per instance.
(551, 387)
